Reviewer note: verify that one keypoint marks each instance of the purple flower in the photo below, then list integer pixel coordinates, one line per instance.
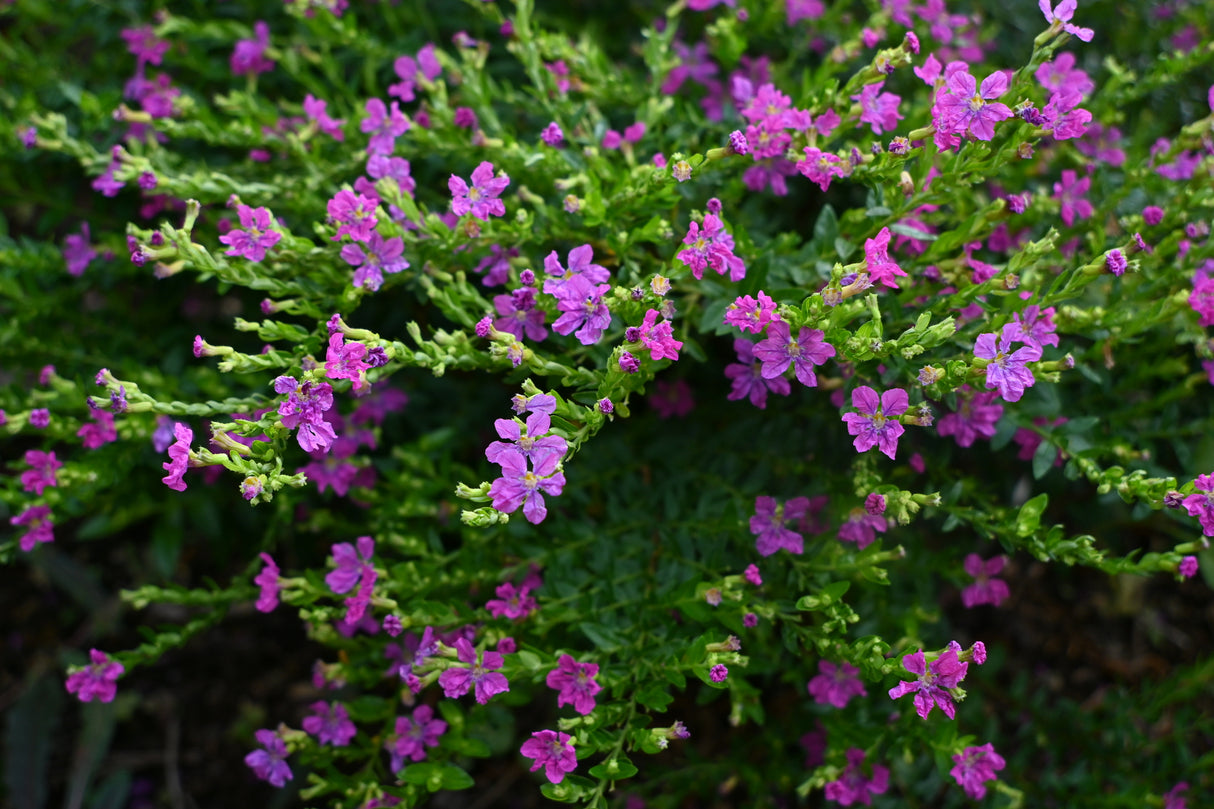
(551, 750)
(384, 125)
(269, 763)
(658, 337)
(875, 425)
(1036, 326)
(986, 589)
(1187, 567)
(821, 167)
(77, 251)
(1060, 17)
(852, 786)
(861, 528)
(481, 199)
(768, 521)
(42, 471)
(1070, 193)
(575, 682)
(40, 418)
(413, 734)
(354, 214)
(520, 315)
(381, 256)
(179, 458)
(536, 446)
(346, 361)
(520, 487)
(304, 409)
(315, 110)
(1174, 799)
(511, 602)
(330, 724)
(97, 680)
(1006, 370)
(778, 350)
(248, 58)
(552, 135)
(977, 416)
(878, 109)
(748, 379)
(478, 674)
(881, 268)
(711, 246)
(718, 673)
(974, 766)
(267, 580)
(1200, 504)
(964, 107)
(41, 527)
(353, 567)
(584, 313)
(580, 264)
(932, 687)
(749, 314)
(836, 684)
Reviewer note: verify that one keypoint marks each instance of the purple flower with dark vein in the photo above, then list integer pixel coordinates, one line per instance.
(522, 487)
(354, 214)
(1036, 326)
(257, 236)
(964, 107)
(413, 734)
(748, 380)
(876, 425)
(862, 528)
(974, 766)
(711, 246)
(380, 256)
(768, 521)
(519, 314)
(977, 416)
(1060, 16)
(481, 198)
(353, 567)
(384, 124)
(551, 750)
(932, 688)
(778, 350)
(878, 109)
(584, 313)
(304, 409)
(575, 682)
(580, 264)
(480, 675)
(1007, 370)
(535, 445)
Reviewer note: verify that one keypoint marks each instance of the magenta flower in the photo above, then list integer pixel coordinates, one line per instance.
(479, 675)
(581, 263)
(1200, 504)
(862, 528)
(711, 246)
(658, 337)
(384, 124)
(552, 135)
(315, 110)
(267, 580)
(353, 567)
(520, 315)
(101, 431)
(932, 688)
(878, 109)
(1070, 193)
(535, 446)
(354, 214)
(986, 589)
(583, 312)
(852, 786)
(977, 416)
(496, 265)
(346, 361)
(249, 56)
(42, 471)
(330, 724)
(876, 424)
(179, 458)
(515, 603)
(413, 734)
(836, 684)
(269, 763)
(257, 236)
(821, 167)
(768, 525)
(974, 766)
(1201, 301)
(380, 256)
(1006, 370)
(481, 199)
(551, 750)
(77, 251)
(576, 684)
(304, 409)
(1060, 17)
(748, 379)
(881, 268)
(521, 487)
(964, 107)
(750, 315)
(41, 527)
(778, 350)
(1036, 326)
(97, 680)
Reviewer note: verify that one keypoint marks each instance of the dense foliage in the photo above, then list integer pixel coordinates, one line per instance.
(726, 401)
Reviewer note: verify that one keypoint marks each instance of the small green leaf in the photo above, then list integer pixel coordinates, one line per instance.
(1043, 459)
(1030, 515)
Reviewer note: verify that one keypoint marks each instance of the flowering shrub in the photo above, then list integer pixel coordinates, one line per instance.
(532, 377)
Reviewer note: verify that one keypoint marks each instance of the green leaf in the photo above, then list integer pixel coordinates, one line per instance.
(1043, 459)
(455, 778)
(1030, 515)
(655, 698)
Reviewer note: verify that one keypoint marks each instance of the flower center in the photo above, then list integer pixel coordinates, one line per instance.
(976, 102)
